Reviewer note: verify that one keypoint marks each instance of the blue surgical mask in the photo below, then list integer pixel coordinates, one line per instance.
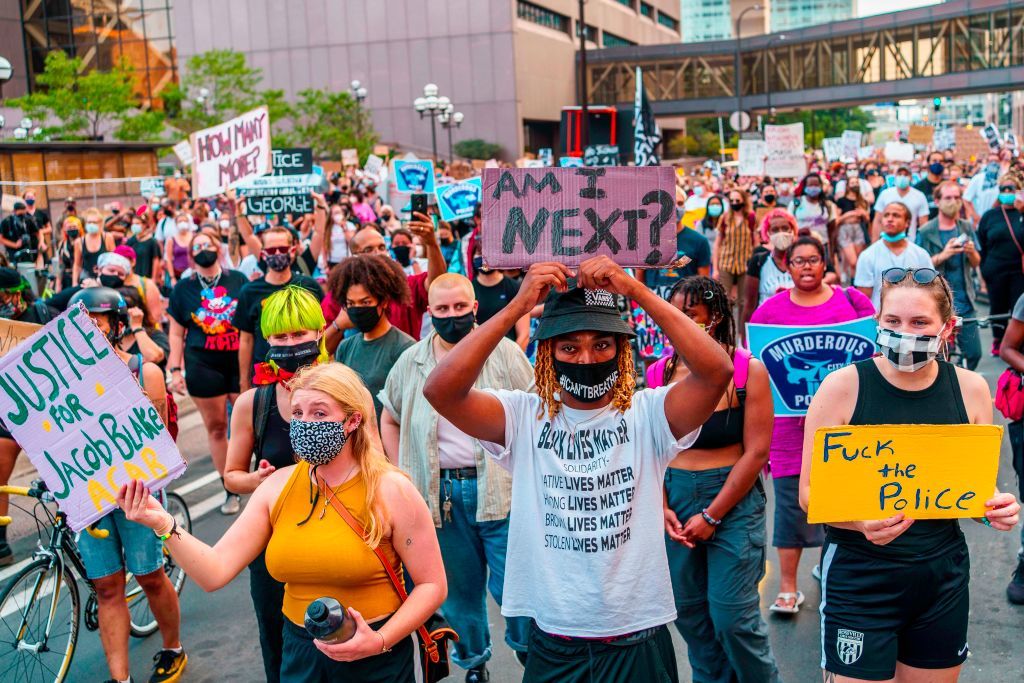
(715, 210)
(812, 191)
(936, 169)
(894, 238)
(92, 228)
(1007, 198)
(698, 191)
(902, 182)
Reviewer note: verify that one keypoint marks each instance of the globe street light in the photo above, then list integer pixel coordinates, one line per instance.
(358, 93)
(450, 119)
(432, 104)
(6, 71)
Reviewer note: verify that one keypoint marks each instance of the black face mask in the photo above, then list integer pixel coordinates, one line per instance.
(454, 328)
(71, 234)
(402, 255)
(587, 382)
(769, 198)
(365, 318)
(205, 258)
(291, 358)
(112, 281)
(736, 206)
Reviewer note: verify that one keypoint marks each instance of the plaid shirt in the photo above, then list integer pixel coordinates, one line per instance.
(418, 456)
(735, 243)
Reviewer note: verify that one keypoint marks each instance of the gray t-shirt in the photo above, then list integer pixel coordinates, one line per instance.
(374, 359)
(1018, 309)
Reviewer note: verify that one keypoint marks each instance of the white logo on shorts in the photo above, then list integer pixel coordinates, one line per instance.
(849, 645)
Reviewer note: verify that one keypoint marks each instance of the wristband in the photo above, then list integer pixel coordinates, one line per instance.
(709, 519)
(334, 324)
(165, 535)
(137, 330)
(384, 649)
(175, 369)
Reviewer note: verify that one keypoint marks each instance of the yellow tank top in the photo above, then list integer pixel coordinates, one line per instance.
(324, 556)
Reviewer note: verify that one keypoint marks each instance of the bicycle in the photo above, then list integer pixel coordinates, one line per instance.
(40, 605)
(954, 353)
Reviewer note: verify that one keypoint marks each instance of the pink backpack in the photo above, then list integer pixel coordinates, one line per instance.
(1010, 394)
(740, 368)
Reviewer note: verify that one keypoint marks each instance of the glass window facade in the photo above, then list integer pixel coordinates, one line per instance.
(612, 40)
(542, 16)
(101, 33)
(668, 20)
(786, 15)
(646, 9)
(706, 20)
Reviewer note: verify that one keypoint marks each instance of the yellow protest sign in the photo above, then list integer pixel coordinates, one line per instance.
(13, 333)
(865, 472)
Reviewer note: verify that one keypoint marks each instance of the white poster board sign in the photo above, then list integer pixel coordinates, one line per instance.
(231, 152)
(751, 161)
(784, 149)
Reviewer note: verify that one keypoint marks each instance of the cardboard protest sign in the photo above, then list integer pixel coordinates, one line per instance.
(921, 135)
(292, 161)
(969, 144)
(13, 333)
(459, 200)
(832, 148)
(546, 155)
(183, 150)
(373, 164)
(601, 155)
(414, 176)
(944, 138)
(568, 162)
(276, 194)
(572, 214)
(350, 157)
(381, 150)
(851, 144)
(784, 149)
(798, 358)
(992, 136)
(82, 418)
(861, 472)
(231, 152)
(152, 187)
(751, 157)
(899, 151)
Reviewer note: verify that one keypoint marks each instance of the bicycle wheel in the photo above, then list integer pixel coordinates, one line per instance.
(39, 609)
(143, 623)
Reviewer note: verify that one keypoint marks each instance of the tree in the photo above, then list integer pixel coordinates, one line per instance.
(474, 148)
(84, 105)
(329, 122)
(216, 86)
(828, 123)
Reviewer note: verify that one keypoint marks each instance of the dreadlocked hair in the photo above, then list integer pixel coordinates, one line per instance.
(546, 378)
(698, 289)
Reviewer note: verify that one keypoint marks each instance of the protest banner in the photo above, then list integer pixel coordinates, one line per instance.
(459, 200)
(851, 145)
(568, 162)
(414, 175)
(968, 144)
(230, 153)
(868, 472)
(546, 155)
(373, 165)
(943, 139)
(572, 214)
(832, 148)
(798, 358)
(784, 151)
(152, 187)
(183, 150)
(13, 333)
(292, 161)
(751, 158)
(82, 418)
(921, 135)
(381, 150)
(899, 151)
(601, 155)
(350, 157)
(992, 136)
(277, 194)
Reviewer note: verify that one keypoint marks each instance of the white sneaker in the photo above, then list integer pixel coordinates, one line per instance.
(231, 505)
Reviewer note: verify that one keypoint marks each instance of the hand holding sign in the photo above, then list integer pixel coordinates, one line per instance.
(884, 531)
(1003, 511)
(601, 272)
(139, 506)
(539, 280)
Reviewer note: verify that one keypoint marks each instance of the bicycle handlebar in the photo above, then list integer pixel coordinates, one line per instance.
(37, 492)
(4, 521)
(17, 491)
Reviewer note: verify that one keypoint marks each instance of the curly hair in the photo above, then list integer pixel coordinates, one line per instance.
(547, 380)
(698, 289)
(382, 277)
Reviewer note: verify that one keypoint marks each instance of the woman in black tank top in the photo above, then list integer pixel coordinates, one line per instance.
(894, 592)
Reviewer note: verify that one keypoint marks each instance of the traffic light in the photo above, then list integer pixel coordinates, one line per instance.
(937, 103)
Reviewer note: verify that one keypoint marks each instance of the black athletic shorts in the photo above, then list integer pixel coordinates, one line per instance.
(875, 612)
(211, 373)
(646, 656)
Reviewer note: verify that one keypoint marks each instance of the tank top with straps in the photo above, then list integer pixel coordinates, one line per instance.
(91, 258)
(879, 403)
(277, 443)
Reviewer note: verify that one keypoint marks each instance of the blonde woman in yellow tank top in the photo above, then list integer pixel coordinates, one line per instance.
(311, 549)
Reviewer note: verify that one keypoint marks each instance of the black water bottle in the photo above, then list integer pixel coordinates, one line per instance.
(327, 621)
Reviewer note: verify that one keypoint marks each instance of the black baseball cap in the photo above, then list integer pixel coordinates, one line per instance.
(11, 280)
(579, 309)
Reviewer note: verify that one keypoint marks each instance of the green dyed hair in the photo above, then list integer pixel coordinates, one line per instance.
(294, 309)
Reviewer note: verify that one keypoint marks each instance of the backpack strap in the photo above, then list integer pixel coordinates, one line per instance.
(740, 370)
(846, 291)
(42, 311)
(263, 403)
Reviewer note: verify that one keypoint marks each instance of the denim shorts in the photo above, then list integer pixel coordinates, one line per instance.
(128, 545)
(791, 527)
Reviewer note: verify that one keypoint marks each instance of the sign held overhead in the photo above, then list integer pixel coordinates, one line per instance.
(231, 152)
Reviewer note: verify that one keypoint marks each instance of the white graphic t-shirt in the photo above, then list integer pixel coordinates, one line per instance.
(586, 544)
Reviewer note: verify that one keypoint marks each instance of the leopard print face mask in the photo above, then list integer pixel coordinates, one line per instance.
(317, 443)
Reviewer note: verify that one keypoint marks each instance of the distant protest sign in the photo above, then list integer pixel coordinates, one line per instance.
(571, 214)
(373, 165)
(569, 162)
(277, 194)
(798, 358)
(851, 144)
(183, 150)
(751, 157)
(293, 161)
(784, 149)
(992, 136)
(601, 155)
(899, 151)
(832, 148)
(82, 418)
(152, 187)
(414, 175)
(230, 153)
(969, 144)
(458, 201)
(921, 135)
(861, 472)
(350, 157)
(944, 138)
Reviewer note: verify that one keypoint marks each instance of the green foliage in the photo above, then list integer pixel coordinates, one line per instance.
(828, 123)
(77, 105)
(329, 122)
(474, 148)
(701, 139)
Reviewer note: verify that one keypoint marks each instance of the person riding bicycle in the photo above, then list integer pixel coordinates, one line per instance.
(129, 544)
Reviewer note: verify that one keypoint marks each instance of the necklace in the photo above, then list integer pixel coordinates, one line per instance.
(209, 283)
(573, 427)
(329, 493)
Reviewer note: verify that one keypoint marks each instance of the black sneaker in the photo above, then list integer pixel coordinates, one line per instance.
(478, 674)
(1015, 591)
(6, 554)
(168, 666)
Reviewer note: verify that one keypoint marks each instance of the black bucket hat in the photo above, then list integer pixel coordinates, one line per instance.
(580, 309)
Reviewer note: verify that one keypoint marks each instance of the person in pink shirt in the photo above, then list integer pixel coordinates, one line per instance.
(811, 301)
(363, 211)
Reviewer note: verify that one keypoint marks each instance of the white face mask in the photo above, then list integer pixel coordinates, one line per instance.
(224, 225)
(781, 241)
(336, 219)
(184, 227)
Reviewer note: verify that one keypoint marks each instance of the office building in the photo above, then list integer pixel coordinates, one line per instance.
(786, 15)
(716, 19)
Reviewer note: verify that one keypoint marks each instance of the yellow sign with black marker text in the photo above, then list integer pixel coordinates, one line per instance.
(866, 472)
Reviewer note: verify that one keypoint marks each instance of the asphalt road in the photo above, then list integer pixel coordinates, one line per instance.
(219, 629)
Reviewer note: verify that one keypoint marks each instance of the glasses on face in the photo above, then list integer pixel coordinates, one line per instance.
(801, 261)
(1008, 188)
(922, 276)
(272, 251)
(206, 246)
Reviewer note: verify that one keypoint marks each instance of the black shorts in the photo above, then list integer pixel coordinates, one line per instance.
(645, 656)
(876, 612)
(210, 373)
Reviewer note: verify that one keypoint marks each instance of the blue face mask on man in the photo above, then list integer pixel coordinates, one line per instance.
(902, 182)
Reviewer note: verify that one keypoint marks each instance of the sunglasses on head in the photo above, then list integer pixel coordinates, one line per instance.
(270, 251)
(922, 276)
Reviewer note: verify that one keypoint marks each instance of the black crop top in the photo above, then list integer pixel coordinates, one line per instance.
(277, 443)
(723, 428)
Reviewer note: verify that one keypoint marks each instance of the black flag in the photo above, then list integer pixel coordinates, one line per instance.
(646, 135)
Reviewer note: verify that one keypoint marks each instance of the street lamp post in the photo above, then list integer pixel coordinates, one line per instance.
(359, 93)
(449, 119)
(431, 104)
(6, 71)
(767, 77)
(738, 68)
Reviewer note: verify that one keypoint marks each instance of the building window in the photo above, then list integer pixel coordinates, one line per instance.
(591, 32)
(627, 3)
(542, 16)
(666, 20)
(646, 9)
(612, 40)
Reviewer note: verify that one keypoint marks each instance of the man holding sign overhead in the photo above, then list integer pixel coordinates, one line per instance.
(894, 589)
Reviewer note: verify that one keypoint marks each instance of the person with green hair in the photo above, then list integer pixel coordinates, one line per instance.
(294, 326)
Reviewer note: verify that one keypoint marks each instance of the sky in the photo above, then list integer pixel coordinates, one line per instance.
(866, 8)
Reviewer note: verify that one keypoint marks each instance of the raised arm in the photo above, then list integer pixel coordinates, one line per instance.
(423, 227)
(245, 227)
(316, 240)
(449, 387)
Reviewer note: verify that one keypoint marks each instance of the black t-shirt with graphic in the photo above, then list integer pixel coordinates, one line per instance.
(208, 315)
